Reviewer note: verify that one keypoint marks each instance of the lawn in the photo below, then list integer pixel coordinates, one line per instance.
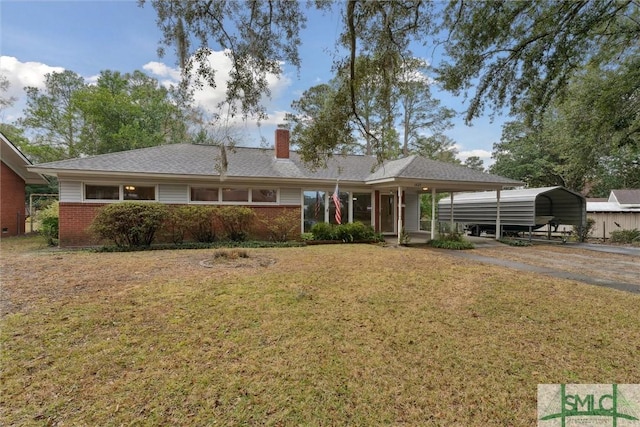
(320, 335)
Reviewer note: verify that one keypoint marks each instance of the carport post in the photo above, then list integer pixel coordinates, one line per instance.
(451, 219)
(433, 214)
(498, 229)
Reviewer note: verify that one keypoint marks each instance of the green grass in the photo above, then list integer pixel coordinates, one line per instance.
(327, 335)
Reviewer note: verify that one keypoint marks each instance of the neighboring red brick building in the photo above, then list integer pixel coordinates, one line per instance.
(13, 178)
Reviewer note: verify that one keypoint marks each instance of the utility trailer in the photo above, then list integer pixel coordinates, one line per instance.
(520, 210)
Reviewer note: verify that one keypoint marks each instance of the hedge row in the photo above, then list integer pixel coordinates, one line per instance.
(134, 224)
(350, 232)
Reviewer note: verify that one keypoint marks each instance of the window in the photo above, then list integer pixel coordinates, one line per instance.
(313, 208)
(264, 196)
(362, 207)
(204, 194)
(235, 195)
(139, 192)
(102, 192)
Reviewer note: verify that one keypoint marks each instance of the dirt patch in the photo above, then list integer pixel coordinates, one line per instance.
(43, 274)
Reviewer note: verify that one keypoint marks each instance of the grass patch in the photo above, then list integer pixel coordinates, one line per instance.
(515, 242)
(318, 338)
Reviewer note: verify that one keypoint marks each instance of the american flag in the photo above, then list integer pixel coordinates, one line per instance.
(336, 201)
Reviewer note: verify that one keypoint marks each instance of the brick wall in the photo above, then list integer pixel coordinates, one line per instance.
(75, 219)
(12, 199)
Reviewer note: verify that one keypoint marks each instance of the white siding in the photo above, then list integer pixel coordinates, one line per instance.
(173, 193)
(411, 212)
(70, 191)
(291, 196)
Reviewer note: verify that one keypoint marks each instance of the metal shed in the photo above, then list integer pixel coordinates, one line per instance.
(514, 210)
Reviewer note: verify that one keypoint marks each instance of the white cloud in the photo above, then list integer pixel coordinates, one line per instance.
(483, 154)
(22, 74)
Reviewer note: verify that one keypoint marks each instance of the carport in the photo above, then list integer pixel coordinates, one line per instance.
(514, 210)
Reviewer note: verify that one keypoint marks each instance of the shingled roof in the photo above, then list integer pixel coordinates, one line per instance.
(197, 161)
(625, 197)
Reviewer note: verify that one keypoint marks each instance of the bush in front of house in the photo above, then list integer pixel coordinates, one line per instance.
(355, 232)
(323, 231)
(282, 227)
(349, 232)
(625, 236)
(451, 241)
(236, 221)
(49, 223)
(129, 224)
(198, 222)
(582, 233)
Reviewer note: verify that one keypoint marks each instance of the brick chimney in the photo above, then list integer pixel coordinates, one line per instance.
(282, 143)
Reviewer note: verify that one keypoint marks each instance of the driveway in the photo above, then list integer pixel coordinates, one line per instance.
(601, 265)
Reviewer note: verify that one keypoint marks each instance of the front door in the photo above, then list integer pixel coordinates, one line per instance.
(387, 213)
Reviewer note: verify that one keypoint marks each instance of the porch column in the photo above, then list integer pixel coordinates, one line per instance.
(451, 219)
(433, 213)
(498, 230)
(399, 215)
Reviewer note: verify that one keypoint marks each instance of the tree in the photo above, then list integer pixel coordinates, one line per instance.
(524, 154)
(524, 54)
(4, 100)
(474, 162)
(518, 54)
(120, 112)
(321, 123)
(437, 147)
(589, 141)
(53, 114)
(420, 112)
(127, 111)
(259, 36)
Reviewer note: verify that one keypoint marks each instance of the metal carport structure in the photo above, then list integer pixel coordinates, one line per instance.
(515, 209)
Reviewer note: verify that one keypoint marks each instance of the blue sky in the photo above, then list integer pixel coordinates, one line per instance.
(39, 37)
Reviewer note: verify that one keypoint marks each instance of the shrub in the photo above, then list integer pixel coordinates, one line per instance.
(129, 224)
(349, 232)
(283, 226)
(236, 221)
(354, 232)
(196, 221)
(583, 232)
(323, 231)
(49, 223)
(452, 241)
(175, 227)
(625, 236)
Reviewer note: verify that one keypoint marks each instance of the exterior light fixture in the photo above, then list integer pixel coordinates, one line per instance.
(129, 187)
